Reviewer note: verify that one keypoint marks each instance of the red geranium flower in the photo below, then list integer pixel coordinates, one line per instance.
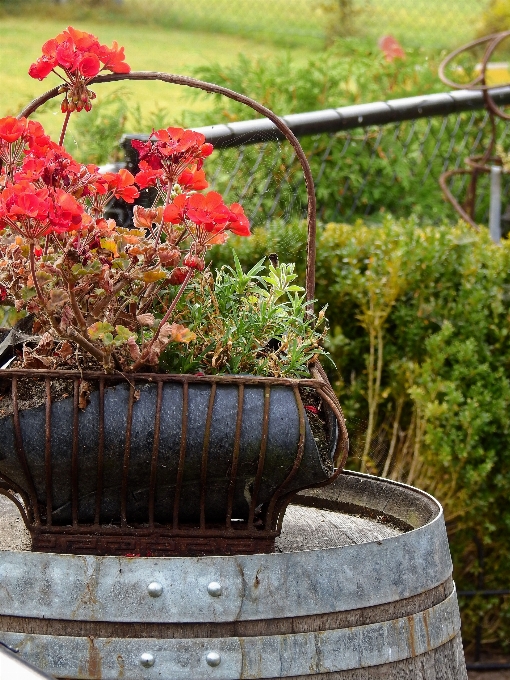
(12, 129)
(147, 177)
(81, 57)
(238, 223)
(193, 181)
(208, 211)
(113, 59)
(176, 211)
(173, 150)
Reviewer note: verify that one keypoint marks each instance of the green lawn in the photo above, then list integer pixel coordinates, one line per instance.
(150, 49)
(428, 23)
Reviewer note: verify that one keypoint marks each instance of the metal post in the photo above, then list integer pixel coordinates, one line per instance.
(495, 205)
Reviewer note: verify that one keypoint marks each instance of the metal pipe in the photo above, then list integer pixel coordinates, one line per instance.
(495, 204)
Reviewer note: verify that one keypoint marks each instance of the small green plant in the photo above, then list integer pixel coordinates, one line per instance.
(256, 322)
(342, 17)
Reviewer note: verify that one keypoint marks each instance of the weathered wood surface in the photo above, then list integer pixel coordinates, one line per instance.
(303, 529)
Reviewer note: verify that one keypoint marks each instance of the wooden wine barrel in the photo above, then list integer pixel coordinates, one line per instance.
(360, 587)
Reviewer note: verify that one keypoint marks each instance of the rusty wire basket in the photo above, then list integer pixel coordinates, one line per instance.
(479, 165)
(161, 464)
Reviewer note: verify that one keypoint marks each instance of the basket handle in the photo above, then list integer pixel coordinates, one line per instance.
(243, 99)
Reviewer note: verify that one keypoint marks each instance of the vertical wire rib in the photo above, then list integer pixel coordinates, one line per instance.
(125, 463)
(100, 455)
(235, 457)
(47, 455)
(155, 453)
(262, 457)
(74, 455)
(182, 455)
(297, 460)
(205, 456)
(21, 454)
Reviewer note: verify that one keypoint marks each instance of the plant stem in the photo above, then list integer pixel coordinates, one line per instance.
(160, 226)
(104, 302)
(76, 309)
(169, 312)
(396, 423)
(33, 272)
(64, 129)
(373, 389)
(86, 345)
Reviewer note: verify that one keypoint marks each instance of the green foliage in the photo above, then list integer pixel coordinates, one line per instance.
(254, 322)
(495, 18)
(348, 72)
(420, 336)
(381, 170)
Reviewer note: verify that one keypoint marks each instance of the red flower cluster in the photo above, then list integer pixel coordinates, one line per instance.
(168, 153)
(109, 185)
(207, 214)
(15, 135)
(81, 57)
(33, 212)
(87, 280)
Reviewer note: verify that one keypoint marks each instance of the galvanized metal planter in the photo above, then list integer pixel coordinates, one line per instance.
(160, 463)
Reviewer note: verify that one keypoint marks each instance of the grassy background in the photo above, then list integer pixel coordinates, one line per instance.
(430, 23)
(177, 37)
(154, 49)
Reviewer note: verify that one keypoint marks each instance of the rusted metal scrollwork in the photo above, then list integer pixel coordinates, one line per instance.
(480, 164)
(91, 518)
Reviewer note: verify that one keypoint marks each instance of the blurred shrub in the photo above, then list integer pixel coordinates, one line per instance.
(420, 337)
(495, 18)
(348, 72)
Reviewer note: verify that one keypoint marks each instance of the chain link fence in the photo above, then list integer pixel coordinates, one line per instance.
(367, 161)
(416, 23)
(363, 173)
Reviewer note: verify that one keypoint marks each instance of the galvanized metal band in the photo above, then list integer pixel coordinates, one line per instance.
(254, 587)
(285, 626)
(276, 656)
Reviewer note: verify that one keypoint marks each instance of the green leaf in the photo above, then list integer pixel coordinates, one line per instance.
(27, 293)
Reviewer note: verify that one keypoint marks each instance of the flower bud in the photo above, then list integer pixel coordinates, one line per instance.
(194, 262)
(64, 106)
(88, 106)
(177, 276)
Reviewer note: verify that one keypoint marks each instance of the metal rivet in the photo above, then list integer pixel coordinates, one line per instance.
(155, 589)
(214, 589)
(147, 659)
(213, 659)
